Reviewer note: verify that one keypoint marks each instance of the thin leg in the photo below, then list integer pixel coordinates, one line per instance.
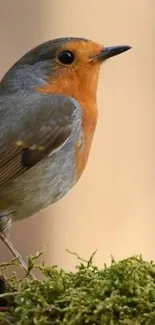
(5, 225)
(16, 254)
(10, 246)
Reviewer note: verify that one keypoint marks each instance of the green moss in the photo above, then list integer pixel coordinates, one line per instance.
(121, 294)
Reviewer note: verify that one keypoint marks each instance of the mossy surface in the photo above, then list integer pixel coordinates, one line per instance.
(120, 294)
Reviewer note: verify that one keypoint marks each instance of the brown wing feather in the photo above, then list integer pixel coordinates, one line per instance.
(30, 132)
(18, 157)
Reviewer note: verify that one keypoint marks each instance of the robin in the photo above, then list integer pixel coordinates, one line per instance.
(48, 116)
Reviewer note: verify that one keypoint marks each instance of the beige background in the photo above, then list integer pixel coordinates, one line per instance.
(112, 207)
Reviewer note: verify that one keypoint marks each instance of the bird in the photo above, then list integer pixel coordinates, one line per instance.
(48, 118)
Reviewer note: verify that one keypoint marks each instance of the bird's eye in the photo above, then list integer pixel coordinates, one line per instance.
(66, 57)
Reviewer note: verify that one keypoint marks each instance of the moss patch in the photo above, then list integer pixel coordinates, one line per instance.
(121, 294)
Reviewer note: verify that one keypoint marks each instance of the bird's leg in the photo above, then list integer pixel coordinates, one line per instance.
(13, 250)
(5, 225)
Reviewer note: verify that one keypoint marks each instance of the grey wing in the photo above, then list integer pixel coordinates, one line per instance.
(30, 129)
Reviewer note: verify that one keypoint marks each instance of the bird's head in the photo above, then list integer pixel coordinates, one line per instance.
(65, 65)
(74, 65)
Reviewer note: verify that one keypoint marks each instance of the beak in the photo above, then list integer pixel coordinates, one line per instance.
(108, 52)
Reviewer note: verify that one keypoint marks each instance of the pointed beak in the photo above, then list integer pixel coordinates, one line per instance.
(108, 52)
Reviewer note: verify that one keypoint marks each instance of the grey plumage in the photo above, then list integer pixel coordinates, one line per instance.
(41, 118)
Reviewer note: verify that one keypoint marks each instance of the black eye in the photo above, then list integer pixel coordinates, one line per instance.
(66, 57)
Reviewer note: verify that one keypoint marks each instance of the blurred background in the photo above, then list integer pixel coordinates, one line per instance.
(112, 208)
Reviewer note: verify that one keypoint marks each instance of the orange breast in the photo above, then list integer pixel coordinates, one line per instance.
(82, 86)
